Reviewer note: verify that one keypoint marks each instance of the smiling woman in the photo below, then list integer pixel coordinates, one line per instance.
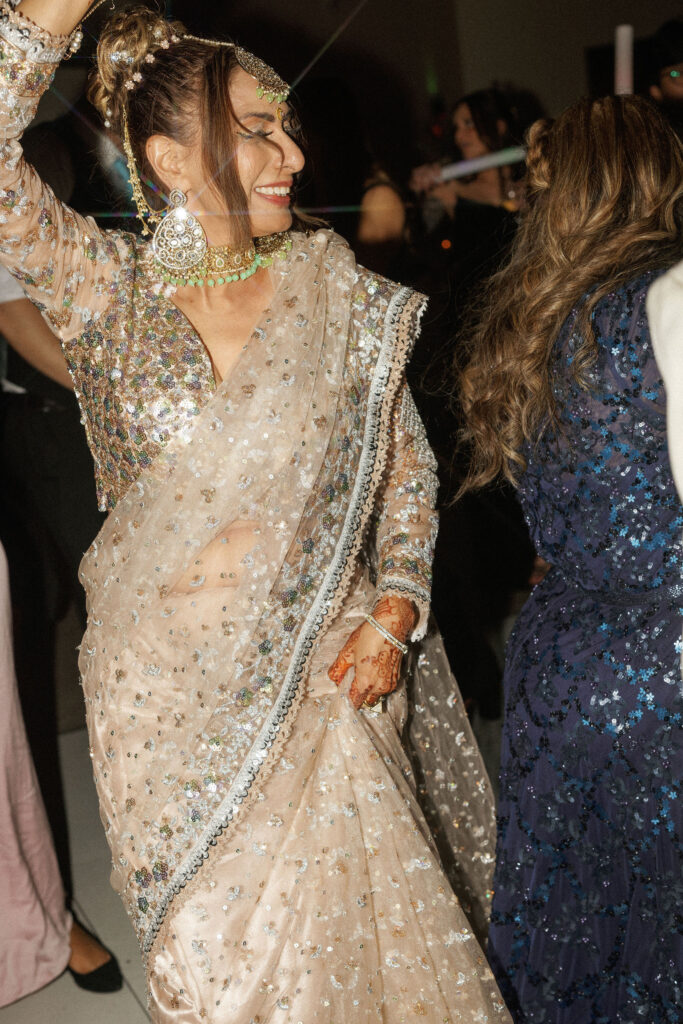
(192, 121)
(242, 386)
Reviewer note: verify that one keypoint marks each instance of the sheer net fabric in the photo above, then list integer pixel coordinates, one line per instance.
(225, 580)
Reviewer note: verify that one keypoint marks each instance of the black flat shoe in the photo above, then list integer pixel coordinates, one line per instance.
(106, 978)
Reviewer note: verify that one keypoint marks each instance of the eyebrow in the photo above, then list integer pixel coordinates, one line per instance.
(262, 116)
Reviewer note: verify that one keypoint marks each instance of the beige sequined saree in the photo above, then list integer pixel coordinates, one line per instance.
(266, 839)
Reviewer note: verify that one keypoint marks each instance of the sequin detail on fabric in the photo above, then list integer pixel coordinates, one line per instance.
(586, 913)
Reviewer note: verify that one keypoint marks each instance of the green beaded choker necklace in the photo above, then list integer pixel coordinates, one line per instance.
(223, 265)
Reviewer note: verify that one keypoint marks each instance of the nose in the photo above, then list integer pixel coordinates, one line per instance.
(292, 157)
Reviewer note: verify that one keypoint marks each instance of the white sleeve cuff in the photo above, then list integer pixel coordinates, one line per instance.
(10, 289)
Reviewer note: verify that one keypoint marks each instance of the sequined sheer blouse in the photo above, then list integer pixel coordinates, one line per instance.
(141, 372)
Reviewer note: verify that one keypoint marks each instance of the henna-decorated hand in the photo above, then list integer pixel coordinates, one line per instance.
(375, 660)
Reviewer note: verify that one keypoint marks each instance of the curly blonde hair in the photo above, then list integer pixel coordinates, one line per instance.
(605, 204)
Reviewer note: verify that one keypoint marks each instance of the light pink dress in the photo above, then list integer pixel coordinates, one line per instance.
(34, 934)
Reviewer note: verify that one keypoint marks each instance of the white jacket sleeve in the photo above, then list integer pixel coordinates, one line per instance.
(665, 315)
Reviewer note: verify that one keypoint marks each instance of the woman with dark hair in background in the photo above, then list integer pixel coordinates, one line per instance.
(562, 397)
(243, 390)
(484, 122)
(484, 555)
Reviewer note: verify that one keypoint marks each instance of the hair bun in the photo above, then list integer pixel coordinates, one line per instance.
(128, 41)
(538, 164)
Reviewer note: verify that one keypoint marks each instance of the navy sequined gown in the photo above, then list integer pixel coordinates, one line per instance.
(588, 906)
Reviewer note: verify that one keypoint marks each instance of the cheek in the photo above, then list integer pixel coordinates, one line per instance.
(248, 166)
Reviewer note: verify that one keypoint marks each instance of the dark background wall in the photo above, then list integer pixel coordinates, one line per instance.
(542, 44)
(397, 56)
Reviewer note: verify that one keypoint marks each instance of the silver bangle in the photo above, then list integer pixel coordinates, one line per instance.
(403, 648)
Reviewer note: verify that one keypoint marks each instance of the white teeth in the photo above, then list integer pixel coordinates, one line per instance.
(273, 190)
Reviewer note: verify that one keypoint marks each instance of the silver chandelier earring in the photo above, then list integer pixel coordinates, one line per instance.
(179, 242)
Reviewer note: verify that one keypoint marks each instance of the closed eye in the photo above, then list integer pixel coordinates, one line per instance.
(258, 133)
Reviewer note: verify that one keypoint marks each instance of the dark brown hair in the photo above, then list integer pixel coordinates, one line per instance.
(605, 204)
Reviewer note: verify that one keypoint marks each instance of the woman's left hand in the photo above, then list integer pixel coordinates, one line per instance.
(376, 661)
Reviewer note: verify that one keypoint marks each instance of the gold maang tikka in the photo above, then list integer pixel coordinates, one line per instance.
(269, 86)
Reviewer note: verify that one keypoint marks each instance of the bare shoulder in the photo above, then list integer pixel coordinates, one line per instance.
(382, 214)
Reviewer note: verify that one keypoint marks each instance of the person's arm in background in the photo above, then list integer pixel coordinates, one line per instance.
(665, 316)
(24, 329)
(381, 228)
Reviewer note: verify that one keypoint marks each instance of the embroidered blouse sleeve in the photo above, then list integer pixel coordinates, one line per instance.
(408, 520)
(66, 265)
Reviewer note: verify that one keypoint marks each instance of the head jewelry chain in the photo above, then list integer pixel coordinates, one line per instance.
(269, 86)
(180, 245)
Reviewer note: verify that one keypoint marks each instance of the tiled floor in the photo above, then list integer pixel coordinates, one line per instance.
(97, 905)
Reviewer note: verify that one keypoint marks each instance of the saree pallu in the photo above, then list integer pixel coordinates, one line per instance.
(265, 837)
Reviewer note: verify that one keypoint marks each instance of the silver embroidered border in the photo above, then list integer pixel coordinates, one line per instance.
(259, 751)
(411, 421)
(399, 583)
(22, 38)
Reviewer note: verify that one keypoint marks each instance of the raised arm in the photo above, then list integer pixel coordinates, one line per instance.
(66, 265)
(58, 17)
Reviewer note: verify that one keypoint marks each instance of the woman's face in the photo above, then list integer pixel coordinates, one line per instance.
(670, 86)
(466, 137)
(266, 171)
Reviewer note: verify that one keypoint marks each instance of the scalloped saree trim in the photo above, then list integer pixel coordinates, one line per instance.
(403, 313)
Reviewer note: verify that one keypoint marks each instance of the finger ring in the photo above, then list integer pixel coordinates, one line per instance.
(376, 709)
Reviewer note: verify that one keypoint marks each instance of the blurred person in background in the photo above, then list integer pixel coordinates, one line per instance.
(666, 62)
(34, 936)
(467, 220)
(39, 937)
(483, 123)
(48, 518)
(562, 396)
(344, 183)
(484, 555)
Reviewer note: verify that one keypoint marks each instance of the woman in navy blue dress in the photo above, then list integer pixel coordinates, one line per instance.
(563, 397)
